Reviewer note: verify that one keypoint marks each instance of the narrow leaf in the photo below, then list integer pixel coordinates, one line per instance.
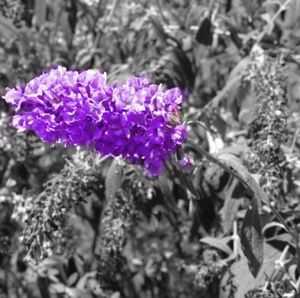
(158, 27)
(244, 282)
(113, 179)
(273, 224)
(220, 244)
(231, 207)
(72, 17)
(7, 28)
(40, 8)
(238, 170)
(186, 67)
(204, 34)
(188, 182)
(228, 5)
(232, 85)
(251, 238)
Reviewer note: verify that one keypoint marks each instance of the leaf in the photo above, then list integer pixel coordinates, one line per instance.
(72, 279)
(7, 28)
(281, 240)
(184, 62)
(204, 34)
(231, 206)
(180, 68)
(76, 293)
(244, 282)
(239, 171)
(188, 182)
(240, 191)
(215, 143)
(216, 177)
(235, 38)
(82, 283)
(161, 33)
(228, 6)
(233, 165)
(232, 85)
(220, 244)
(86, 61)
(158, 28)
(251, 238)
(81, 54)
(236, 149)
(72, 16)
(244, 103)
(40, 8)
(230, 209)
(292, 14)
(113, 179)
(272, 225)
(58, 288)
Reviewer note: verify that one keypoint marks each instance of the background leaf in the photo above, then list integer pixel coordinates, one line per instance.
(220, 244)
(40, 7)
(7, 27)
(239, 171)
(244, 282)
(113, 179)
(204, 34)
(251, 238)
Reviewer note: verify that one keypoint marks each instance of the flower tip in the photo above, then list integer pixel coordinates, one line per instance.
(186, 164)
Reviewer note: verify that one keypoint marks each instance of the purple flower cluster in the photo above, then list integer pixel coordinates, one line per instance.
(136, 120)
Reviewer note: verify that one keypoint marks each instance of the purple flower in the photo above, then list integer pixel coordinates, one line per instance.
(186, 164)
(136, 120)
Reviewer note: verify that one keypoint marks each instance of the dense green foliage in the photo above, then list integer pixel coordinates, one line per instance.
(75, 224)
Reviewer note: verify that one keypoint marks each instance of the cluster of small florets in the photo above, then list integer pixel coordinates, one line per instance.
(207, 274)
(274, 289)
(210, 270)
(13, 10)
(259, 293)
(136, 120)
